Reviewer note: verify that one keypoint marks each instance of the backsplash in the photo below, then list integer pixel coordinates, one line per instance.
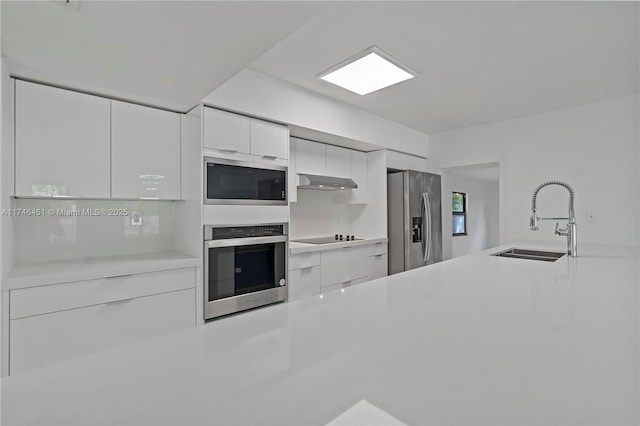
(315, 214)
(74, 229)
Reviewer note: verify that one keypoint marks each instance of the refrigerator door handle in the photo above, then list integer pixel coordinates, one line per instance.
(426, 238)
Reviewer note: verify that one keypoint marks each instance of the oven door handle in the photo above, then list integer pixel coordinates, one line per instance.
(234, 242)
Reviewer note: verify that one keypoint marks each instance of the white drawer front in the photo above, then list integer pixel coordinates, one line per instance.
(304, 260)
(344, 265)
(344, 285)
(58, 297)
(378, 249)
(304, 282)
(46, 339)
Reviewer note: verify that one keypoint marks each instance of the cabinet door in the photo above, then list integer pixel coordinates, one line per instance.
(226, 131)
(269, 140)
(338, 161)
(360, 177)
(378, 266)
(304, 282)
(310, 157)
(344, 265)
(46, 339)
(62, 143)
(145, 152)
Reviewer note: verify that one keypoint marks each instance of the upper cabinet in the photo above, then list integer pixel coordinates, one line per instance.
(228, 132)
(315, 158)
(311, 157)
(338, 161)
(70, 144)
(236, 136)
(145, 152)
(62, 143)
(269, 140)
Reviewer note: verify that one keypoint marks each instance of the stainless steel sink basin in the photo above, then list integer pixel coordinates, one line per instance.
(545, 256)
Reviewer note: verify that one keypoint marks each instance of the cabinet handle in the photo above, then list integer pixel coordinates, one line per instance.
(120, 276)
(116, 302)
(228, 151)
(378, 255)
(269, 157)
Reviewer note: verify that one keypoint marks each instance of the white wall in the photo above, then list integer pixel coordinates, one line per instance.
(259, 95)
(592, 147)
(483, 222)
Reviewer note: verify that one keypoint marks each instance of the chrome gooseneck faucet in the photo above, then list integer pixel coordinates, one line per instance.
(572, 228)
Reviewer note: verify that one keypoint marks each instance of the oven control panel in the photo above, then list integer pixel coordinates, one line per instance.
(220, 233)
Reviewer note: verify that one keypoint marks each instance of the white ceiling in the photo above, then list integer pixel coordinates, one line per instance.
(478, 61)
(169, 54)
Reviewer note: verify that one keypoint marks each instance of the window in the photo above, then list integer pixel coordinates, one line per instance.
(459, 213)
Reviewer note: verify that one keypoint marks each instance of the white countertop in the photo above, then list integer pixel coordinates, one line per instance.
(296, 247)
(44, 273)
(475, 340)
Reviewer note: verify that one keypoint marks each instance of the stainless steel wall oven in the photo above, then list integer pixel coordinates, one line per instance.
(244, 267)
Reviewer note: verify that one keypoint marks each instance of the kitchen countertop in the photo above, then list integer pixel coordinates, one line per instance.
(475, 340)
(44, 273)
(295, 247)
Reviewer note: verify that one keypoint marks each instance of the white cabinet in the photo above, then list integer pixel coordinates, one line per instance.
(62, 321)
(317, 272)
(62, 143)
(359, 175)
(269, 140)
(344, 265)
(145, 152)
(316, 158)
(338, 161)
(304, 275)
(310, 157)
(237, 136)
(378, 261)
(227, 132)
(45, 339)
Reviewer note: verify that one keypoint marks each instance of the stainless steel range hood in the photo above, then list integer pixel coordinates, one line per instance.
(325, 183)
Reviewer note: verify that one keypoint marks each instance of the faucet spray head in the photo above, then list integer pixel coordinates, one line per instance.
(533, 221)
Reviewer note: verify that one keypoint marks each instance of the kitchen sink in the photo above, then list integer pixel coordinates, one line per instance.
(517, 253)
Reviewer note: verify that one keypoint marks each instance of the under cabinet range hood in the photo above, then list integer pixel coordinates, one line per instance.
(325, 183)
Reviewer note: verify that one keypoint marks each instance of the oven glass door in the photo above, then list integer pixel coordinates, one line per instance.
(229, 183)
(244, 269)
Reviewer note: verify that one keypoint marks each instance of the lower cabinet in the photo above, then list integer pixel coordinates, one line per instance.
(314, 273)
(54, 336)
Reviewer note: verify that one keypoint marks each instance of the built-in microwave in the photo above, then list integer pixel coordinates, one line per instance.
(242, 182)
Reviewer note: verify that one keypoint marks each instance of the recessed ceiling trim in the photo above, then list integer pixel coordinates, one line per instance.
(402, 73)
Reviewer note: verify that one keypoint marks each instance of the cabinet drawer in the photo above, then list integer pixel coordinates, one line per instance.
(46, 339)
(378, 249)
(59, 297)
(345, 264)
(304, 260)
(304, 282)
(344, 285)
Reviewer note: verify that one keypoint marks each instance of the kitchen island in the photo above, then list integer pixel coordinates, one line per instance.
(475, 340)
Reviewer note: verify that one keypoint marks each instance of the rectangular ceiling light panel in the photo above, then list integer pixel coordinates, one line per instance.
(367, 72)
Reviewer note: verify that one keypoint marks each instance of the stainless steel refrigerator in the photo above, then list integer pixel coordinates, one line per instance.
(414, 204)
